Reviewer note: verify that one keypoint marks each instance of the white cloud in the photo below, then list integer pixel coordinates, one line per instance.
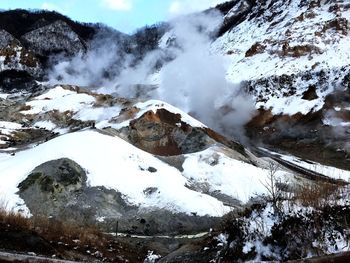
(179, 7)
(51, 7)
(119, 5)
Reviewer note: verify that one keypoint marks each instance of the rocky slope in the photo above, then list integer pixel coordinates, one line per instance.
(293, 58)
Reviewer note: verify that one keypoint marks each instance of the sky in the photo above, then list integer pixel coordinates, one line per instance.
(123, 15)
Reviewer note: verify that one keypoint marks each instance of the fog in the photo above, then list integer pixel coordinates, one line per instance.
(97, 67)
(190, 76)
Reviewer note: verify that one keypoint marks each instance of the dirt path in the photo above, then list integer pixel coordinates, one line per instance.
(194, 236)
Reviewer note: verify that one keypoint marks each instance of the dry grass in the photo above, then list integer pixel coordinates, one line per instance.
(341, 25)
(103, 100)
(66, 232)
(317, 195)
(24, 107)
(14, 219)
(10, 217)
(53, 230)
(69, 240)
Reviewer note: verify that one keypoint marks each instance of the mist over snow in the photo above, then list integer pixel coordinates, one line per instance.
(97, 67)
(181, 71)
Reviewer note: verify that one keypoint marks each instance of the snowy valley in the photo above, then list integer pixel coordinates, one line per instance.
(220, 136)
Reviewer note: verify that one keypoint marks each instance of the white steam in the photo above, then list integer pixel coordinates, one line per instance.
(191, 77)
(96, 67)
(195, 80)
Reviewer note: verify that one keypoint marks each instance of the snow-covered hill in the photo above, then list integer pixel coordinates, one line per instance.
(294, 39)
(208, 182)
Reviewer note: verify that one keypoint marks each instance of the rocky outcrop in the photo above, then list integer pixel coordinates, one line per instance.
(163, 133)
(24, 137)
(55, 38)
(6, 39)
(58, 189)
(16, 57)
(310, 132)
(234, 12)
(62, 186)
(19, 68)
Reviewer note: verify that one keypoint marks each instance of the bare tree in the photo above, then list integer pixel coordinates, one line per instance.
(271, 185)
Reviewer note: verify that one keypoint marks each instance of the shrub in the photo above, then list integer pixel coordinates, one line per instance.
(316, 195)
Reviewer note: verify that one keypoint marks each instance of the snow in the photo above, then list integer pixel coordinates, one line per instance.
(115, 164)
(100, 115)
(14, 61)
(302, 32)
(50, 126)
(163, 42)
(47, 125)
(55, 93)
(258, 225)
(80, 104)
(83, 108)
(292, 105)
(154, 105)
(59, 99)
(10, 125)
(222, 239)
(218, 172)
(7, 128)
(100, 219)
(333, 47)
(151, 257)
(333, 121)
(329, 171)
(4, 96)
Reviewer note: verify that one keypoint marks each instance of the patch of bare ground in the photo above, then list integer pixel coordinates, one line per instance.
(299, 50)
(257, 48)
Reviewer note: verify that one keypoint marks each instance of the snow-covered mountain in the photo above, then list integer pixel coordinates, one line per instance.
(287, 48)
(167, 131)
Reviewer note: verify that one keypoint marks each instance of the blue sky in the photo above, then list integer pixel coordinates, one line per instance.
(124, 15)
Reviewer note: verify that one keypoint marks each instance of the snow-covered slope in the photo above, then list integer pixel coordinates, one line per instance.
(289, 38)
(83, 106)
(214, 171)
(114, 163)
